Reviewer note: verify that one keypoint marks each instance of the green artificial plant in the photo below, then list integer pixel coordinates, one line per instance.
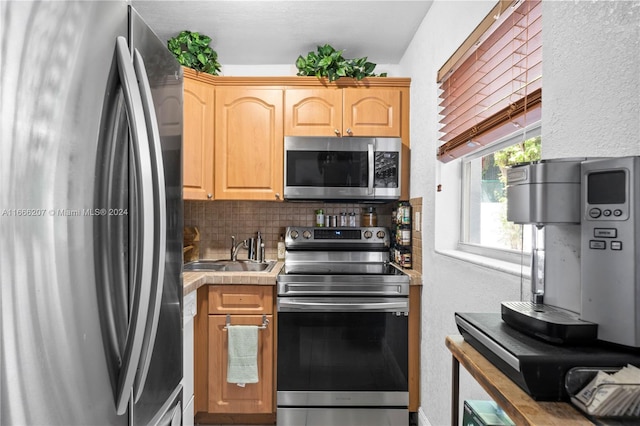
(329, 62)
(192, 50)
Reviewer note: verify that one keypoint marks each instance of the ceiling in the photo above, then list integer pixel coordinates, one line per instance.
(276, 32)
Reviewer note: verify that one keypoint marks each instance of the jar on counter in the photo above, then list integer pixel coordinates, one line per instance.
(319, 217)
(281, 248)
(370, 218)
(343, 219)
(352, 219)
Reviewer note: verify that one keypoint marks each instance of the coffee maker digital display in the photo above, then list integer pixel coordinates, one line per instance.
(606, 187)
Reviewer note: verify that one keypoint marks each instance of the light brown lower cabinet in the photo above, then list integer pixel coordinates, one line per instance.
(229, 397)
(217, 401)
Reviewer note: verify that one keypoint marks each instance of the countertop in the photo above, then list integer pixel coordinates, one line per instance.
(518, 405)
(192, 281)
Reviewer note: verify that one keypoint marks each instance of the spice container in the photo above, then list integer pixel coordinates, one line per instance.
(319, 217)
(343, 219)
(281, 248)
(352, 219)
(370, 218)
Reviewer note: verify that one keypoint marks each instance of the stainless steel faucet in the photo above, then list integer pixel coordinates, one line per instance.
(235, 247)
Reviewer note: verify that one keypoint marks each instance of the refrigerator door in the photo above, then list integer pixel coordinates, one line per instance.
(160, 373)
(57, 60)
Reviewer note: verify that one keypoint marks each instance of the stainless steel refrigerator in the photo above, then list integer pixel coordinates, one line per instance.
(90, 217)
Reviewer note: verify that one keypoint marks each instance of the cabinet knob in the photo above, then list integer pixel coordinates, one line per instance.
(277, 195)
(209, 196)
(337, 132)
(349, 132)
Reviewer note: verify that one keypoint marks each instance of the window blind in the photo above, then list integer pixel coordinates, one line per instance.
(495, 87)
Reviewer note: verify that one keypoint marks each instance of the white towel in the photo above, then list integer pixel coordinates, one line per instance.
(242, 366)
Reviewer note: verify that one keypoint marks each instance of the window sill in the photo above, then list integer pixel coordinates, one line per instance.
(488, 262)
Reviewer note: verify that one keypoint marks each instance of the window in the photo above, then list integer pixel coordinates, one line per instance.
(491, 103)
(495, 82)
(484, 218)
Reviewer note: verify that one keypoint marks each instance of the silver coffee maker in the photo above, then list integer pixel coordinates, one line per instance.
(588, 205)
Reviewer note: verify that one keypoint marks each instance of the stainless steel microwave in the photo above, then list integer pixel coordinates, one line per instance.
(348, 168)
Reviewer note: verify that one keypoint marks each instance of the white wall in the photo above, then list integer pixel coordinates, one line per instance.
(230, 70)
(589, 47)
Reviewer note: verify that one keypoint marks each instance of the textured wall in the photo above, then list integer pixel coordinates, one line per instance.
(591, 78)
(591, 103)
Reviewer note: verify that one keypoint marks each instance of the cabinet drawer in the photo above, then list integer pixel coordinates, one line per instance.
(240, 299)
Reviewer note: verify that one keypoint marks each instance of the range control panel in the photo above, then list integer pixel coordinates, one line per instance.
(312, 237)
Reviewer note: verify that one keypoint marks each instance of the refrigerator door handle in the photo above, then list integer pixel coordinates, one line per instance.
(143, 234)
(160, 225)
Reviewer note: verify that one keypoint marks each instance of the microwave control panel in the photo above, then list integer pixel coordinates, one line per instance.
(386, 173)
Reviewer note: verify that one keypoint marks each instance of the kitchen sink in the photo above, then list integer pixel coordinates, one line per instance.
(229, 266)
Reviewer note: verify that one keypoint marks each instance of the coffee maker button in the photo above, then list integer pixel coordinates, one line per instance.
(617, 212)
(616, 245)
(597, 245)
(607, 212)
(605, 232)
(595, 213)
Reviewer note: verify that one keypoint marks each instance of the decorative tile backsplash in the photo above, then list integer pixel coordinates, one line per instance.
(217, 221)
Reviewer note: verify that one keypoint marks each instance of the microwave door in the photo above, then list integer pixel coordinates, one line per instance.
(328, 169)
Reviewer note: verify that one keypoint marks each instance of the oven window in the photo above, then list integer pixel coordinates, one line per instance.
(327, 168)
(342, 351)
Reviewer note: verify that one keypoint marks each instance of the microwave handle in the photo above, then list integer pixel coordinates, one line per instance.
(372, 167)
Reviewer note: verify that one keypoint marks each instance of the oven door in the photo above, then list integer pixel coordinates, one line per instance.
(343, 352)
(331, 168)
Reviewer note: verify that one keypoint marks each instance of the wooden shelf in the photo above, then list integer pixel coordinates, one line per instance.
(518, 405)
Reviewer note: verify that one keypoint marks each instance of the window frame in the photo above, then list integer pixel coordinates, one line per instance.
(506, 255)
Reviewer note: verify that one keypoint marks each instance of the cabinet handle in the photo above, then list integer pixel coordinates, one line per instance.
(349, 132)
(209, 196)
(277, 195)
(337, 132)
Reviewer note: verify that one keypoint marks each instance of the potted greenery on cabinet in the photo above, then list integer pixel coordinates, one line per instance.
(192, 50)
(329, 62)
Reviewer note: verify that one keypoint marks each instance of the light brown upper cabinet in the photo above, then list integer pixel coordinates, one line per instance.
(198, 125)
(353, 111)
(234, 141)
(248, 144)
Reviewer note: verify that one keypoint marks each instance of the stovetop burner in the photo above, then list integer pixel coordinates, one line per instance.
(341, 269)
(335, 261)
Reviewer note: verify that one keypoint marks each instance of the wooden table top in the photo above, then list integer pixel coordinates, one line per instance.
(518, 405)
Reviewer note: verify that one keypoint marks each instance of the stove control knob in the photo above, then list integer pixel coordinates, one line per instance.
(380, 234)
(306, 235)
(294, 234)
(368, 234)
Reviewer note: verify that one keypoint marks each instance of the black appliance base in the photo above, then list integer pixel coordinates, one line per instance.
(555, 325)
(535, 366)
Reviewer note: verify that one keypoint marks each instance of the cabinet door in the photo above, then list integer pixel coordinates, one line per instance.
(229, 397)
(249, 144)
(372, 112)
(313, 112)
(198, 140)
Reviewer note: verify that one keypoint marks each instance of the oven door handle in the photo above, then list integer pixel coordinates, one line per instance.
(310, 305)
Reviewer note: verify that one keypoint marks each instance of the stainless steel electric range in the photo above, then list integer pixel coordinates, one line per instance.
(342, 330)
